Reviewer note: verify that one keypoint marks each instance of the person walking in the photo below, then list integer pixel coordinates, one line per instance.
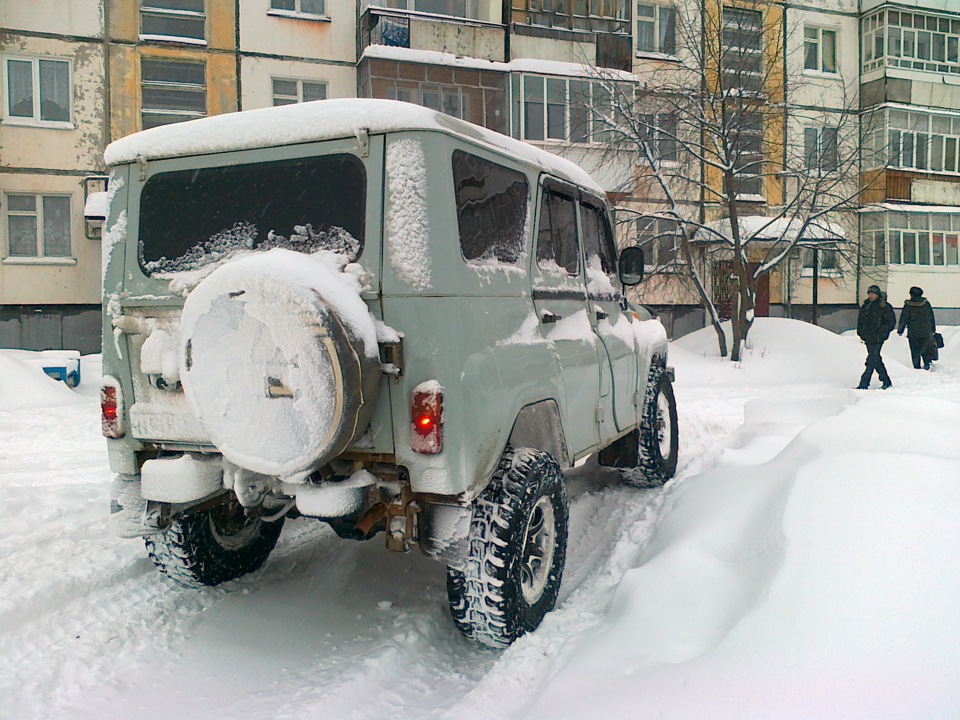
(874, 325)
(918, 320)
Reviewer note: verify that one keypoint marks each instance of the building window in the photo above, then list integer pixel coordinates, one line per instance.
(179, 20)
(820, 150)
(742, 59)
(923, 239)
(287, 91)
(913, 140)
(827, 261)
(656, 29)
(660, 133)
(570, 110)
(659, 238)
(302, 7)
(37, 90)
(601, 16)
(913, 40)
(448, 99)
(172, 91)
(747, 156)
(38, 226)
(820, 49)
(469, 9)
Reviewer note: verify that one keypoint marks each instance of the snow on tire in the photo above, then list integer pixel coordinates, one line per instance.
(517, 549)
(212, 546)
(658, 446)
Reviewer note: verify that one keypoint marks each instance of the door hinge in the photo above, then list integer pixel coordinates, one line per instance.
(599, 413)
(636, 399)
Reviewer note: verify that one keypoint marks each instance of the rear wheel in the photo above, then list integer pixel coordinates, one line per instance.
(212, 546)
(517, 548)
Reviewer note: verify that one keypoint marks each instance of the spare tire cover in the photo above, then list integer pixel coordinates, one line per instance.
(279, 361)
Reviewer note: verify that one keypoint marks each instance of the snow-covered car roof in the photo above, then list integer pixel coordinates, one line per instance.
(323, 120)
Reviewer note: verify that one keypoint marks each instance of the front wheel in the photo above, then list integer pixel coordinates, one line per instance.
(517, 549)
(658, 445)
(212, 546)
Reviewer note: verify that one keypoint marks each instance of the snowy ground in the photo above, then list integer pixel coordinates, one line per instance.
(803, 564)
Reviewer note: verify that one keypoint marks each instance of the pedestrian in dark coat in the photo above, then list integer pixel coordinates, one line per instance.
(918, 320)
(874, 326)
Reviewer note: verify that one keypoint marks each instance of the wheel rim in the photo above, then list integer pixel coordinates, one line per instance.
(230, 526)
(664, 428)
(539, 546)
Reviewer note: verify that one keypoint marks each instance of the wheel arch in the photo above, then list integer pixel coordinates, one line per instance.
(538, 425)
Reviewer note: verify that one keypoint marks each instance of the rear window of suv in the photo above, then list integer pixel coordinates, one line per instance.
(191, 218)
(491, 208)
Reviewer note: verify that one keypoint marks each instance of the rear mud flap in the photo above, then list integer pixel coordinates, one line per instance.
(130, 516)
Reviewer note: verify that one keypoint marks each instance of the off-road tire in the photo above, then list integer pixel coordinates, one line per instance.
(487, 595)
(654, 467)
(213, 546)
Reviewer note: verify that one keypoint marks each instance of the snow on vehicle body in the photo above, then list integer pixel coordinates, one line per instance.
(380, 316)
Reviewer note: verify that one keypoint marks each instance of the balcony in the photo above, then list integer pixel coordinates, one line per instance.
(460, 36)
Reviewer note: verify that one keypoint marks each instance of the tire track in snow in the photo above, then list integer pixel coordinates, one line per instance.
(115, 620)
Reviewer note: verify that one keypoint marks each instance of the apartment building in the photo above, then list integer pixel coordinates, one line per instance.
(296, 51)
(548, 73)
(823, 126)
(78, 75)
(53, 125)
(910, 94)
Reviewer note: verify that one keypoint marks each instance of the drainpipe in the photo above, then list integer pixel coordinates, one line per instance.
(236, 21)
(107, 111)
(814, 311)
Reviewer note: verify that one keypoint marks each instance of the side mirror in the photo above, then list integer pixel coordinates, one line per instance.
(631, 266)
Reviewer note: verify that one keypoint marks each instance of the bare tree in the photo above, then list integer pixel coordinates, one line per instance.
(720, 150)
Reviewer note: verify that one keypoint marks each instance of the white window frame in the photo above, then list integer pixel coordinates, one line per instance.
(656, 21)
(298, 98)
(919, 231)
(819, 68)
(887, 41)
(151, 8)
(595, 133)
(40, 258)
(34, 120)
(298, 12)
(930, 147)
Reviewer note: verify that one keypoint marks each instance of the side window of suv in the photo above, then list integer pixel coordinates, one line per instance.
(598, 239)
(491, 208)
(557, 241)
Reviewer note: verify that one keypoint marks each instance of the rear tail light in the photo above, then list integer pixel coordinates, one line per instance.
(426, 436)
(111, 406)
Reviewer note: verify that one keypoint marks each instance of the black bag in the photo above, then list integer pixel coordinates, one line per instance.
(938, 340)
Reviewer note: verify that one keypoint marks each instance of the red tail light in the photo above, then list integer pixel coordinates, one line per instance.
(110, 418)
(426, 437)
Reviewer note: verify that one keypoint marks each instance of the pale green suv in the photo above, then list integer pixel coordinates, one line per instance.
(379, 316)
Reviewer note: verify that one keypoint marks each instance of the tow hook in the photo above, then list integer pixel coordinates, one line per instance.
(400, 520)
(403, 522)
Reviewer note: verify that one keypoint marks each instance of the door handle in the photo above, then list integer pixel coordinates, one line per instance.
(601, 315)
(549, 317)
